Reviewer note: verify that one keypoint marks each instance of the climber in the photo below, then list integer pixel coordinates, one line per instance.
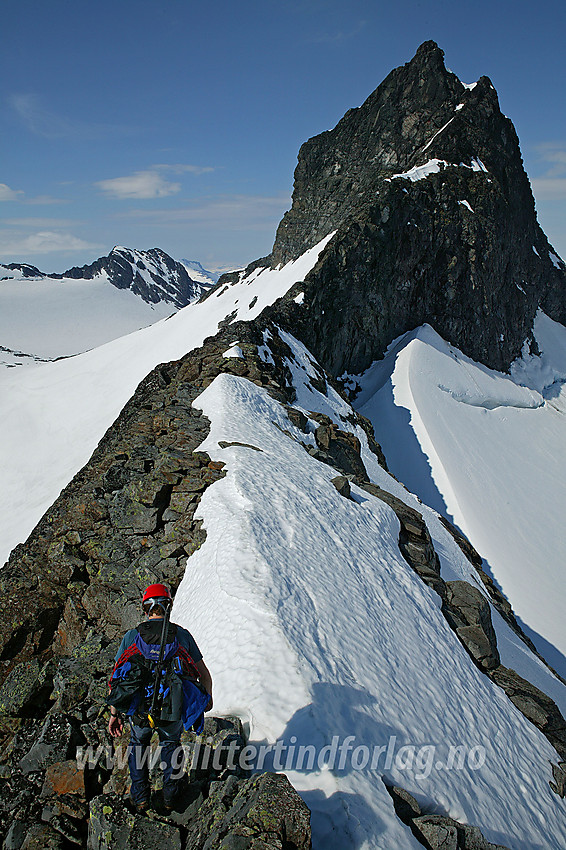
(160, 682)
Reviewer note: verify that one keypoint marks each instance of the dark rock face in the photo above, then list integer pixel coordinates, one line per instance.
(407, 253)
(153, 275)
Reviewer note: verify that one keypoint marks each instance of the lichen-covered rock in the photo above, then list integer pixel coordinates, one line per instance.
(53, 745)
(42, 837)
(19, 688)
(262, 812)
(216, 749)
(113, 826)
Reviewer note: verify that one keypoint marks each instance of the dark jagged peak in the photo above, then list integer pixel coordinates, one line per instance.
(153, 275)
(434, 222)
(419, 111)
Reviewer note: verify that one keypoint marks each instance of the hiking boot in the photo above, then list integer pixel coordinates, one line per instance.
(140, 806)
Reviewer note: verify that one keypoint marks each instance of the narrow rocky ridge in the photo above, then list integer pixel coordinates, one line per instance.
(127, 520)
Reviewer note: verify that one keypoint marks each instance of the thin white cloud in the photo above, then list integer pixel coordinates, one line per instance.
(231, 212)
(142, 184)
(17, 244)
(551, 185)
(149, 183)
(42, 121)
(7, 194)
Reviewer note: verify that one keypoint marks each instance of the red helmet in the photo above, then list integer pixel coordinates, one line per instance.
(156, 591)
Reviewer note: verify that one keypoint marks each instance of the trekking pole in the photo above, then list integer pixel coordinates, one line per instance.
(158, 672)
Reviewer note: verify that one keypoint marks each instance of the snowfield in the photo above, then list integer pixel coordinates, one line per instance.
(46, 318)
(317, 630)
(486, 450)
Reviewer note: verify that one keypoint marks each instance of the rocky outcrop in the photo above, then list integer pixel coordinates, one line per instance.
(459, 249)
(468, 612)
(259, 813)
(252, 814)
(57, 801)
(437, 832)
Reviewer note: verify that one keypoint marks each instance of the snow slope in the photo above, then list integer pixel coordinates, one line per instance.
(53, 415)
(316, 629)
(488, 450)
(49, 318)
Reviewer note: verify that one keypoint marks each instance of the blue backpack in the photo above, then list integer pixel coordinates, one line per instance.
(181, 696)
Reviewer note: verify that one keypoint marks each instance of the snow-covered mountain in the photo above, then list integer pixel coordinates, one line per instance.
(200, 274)
(45, 316)
(360, 637)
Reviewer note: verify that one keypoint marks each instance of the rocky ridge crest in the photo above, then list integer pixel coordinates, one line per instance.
(456, 245)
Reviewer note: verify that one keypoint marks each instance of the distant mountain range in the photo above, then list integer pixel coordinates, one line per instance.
(47, 315)
(153, 275)
(199, 274)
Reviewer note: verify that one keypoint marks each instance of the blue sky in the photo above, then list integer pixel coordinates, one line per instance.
(177, 124)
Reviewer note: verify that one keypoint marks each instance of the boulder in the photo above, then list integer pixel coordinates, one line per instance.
(19, 688)
(112, 825)
(342, 485)
(42, 837)
(53, 745)
(437, 832)
(248, 814)
(469, 613)
(217, 748)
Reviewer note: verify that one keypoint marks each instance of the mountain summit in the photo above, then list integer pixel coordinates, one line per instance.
(434, 222)
(153, 275)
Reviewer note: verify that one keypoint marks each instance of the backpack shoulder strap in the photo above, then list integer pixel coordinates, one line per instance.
(187, 663)
(130, 650)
